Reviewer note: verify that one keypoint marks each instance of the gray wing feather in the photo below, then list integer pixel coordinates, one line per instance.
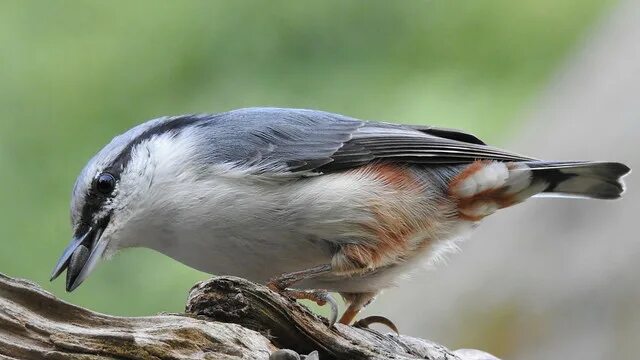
(273, 140)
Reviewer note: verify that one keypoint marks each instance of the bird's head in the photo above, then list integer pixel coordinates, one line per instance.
(111, 192)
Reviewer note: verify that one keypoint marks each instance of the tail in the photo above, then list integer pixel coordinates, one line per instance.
(593, 180)
(483, 187)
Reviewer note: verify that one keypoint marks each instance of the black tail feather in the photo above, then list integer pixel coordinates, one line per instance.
(596, 180)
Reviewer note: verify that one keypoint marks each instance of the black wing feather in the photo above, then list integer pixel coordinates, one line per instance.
(406, 144)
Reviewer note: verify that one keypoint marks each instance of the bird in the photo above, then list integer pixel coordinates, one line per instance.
(308, 202)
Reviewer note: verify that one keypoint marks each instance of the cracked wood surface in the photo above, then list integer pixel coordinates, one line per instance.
(226, 318)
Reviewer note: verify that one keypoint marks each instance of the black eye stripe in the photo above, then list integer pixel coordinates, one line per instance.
(95, 200)
(98, 195)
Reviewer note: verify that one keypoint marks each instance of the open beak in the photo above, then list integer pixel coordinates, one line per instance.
(81, 256)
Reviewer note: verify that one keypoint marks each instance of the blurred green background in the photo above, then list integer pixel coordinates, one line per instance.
(73, 74)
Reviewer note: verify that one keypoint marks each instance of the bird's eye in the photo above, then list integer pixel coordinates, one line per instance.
(105, 183)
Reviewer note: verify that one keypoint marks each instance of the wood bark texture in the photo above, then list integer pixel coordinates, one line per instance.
(225, 318)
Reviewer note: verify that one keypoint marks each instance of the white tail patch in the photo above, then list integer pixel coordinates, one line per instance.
(488, 176)
(519, 178)
(484, 187)
(521, 184)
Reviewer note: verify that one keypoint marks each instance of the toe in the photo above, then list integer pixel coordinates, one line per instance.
(320, 297)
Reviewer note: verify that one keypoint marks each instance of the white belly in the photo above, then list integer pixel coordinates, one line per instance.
(257, 259)
(258, 231)
(264, 257)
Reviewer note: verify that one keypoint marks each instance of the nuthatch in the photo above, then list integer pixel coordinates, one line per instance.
(304, 197)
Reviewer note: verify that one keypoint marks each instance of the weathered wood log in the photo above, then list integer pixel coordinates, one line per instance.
(226, 318)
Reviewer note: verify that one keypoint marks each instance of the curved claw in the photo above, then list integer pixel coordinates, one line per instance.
(320, 297)
(334, 308)
(365, 322)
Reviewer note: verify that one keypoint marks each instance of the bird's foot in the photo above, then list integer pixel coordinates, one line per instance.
(365, 322)
(282, 283)
(320, 297)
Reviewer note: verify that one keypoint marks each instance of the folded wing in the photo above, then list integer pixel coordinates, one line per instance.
(295, 141)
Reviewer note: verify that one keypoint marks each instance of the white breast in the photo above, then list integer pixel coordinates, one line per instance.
(242, 225)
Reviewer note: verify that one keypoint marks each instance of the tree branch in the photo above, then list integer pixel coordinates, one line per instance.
(226, 318)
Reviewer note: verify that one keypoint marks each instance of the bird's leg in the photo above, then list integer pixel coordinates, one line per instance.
(357, 302)
(281, 284)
